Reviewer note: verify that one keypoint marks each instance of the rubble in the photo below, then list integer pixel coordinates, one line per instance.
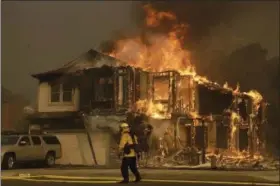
(191, 159)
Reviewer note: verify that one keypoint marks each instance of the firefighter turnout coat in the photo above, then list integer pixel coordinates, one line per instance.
(126, 139)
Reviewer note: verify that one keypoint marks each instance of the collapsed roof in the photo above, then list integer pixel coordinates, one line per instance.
(89, 59)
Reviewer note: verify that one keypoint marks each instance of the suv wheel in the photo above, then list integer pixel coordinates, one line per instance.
(50, 159)
(9, 161)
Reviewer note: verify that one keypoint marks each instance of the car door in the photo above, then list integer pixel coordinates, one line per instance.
(24, 150)
(38, 149)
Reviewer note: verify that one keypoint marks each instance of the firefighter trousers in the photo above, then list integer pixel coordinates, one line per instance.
(129, 162)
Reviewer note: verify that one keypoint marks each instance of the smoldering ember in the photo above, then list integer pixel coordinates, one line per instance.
(181, 118)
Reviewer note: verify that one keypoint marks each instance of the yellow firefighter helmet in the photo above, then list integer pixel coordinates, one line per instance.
(124, 125)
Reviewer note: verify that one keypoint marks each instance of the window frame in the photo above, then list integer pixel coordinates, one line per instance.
(21, 138)
(61, 93)
(46, 138)
(102, 87)
(38, 138)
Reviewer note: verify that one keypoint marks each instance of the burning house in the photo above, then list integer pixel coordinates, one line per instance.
(200, 113)
(154, 79)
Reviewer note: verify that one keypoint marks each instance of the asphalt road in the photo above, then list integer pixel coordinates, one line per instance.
(86, 177)
(33, 183)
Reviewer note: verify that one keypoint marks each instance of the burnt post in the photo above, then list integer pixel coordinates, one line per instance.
(170, 92)
(251, 136)
(203, 143)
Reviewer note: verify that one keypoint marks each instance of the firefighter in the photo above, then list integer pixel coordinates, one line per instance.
(127, 148)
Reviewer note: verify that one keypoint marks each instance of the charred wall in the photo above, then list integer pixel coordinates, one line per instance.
(212, 101)
(96, 89)
(113, 88)
(131, 85)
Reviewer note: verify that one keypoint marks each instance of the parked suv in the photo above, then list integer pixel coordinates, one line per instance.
(29, 148)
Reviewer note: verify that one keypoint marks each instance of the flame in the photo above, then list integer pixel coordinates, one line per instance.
(163, 49)
(256, 97)
(234, 118)
(154, 110)
(237, 89)
(162, 52)
(226, 85)
(194, 115)
(154, 18)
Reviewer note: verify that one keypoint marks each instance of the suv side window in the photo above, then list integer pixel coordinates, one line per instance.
(26, 139)
(36, 140)
(51, 140)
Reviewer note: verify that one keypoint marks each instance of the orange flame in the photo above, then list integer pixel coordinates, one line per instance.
(256, 97)
(154, 110)
(162, 52)
(153, 17)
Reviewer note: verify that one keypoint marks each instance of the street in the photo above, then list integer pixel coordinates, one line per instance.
(86, 177)
(28, 183)
(104, 182)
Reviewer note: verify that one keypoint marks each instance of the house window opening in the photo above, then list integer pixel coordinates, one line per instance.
(104, 93)
(161, 89)
(61, 92)
(67, 92)
(55, 93)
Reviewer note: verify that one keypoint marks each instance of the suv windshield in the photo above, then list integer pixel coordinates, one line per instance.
(9, 140)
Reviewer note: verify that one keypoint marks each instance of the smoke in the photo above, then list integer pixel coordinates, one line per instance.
(108, 46)
(104, 123)
(231, 23)
(199, 16)
(160, 126)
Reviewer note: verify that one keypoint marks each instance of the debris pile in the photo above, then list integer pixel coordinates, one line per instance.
(191, 158)
(242, 160)
(187, 156)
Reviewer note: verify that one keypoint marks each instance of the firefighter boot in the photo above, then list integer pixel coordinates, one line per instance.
(137, 179)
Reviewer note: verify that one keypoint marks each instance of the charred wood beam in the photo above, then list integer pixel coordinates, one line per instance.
(229, 129)
(194, 98)
(204, 142)
(250, 137)
(129, 87)
(132, 74)
(116, 90)
(193, 134)
(170, 91)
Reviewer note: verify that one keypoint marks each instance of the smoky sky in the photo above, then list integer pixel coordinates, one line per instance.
(39, 36)
(227, 24)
